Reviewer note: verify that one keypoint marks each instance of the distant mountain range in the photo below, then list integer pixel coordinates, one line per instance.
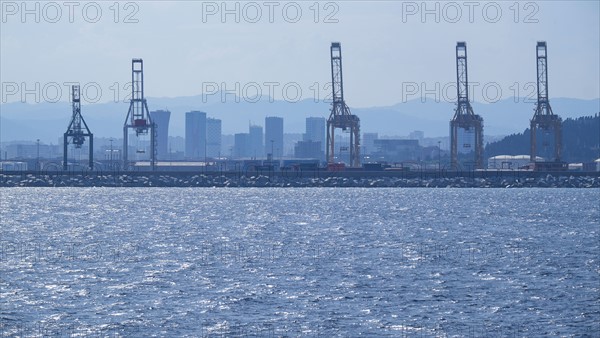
(48, 121)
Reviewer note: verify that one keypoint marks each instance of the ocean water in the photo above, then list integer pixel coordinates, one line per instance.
(314, 262)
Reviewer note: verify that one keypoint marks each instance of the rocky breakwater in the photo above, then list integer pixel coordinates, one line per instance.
(158, 180)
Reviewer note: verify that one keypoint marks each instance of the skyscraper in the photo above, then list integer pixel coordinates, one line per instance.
(315, 130)
(274, 136)
(213, 137)
(195, 135)
(161, 119)
(241, 146)
(256, 142)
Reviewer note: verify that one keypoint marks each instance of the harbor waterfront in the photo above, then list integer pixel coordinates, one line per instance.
(303, 178)
(314, 262)
(213, 169)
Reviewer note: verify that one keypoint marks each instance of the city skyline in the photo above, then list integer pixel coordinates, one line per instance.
(255, 143)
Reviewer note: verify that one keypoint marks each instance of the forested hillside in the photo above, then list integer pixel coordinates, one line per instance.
(580, 143)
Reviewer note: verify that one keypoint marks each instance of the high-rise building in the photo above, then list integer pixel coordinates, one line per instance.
(274, 136)
(161, 119)
(315, 130)
(195, 135)
(241, 146)
(368, 143)
(256, 141)
(213, 137)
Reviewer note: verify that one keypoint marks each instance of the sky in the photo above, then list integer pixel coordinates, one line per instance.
(392, 51)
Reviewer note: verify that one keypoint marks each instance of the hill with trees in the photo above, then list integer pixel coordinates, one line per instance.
(580, 141)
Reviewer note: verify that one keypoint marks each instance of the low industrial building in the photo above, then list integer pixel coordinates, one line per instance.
(13, 166)
(510, 161)
(394, 150)
(309, 149)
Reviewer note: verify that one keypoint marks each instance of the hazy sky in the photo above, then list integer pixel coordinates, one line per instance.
(392, 51)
